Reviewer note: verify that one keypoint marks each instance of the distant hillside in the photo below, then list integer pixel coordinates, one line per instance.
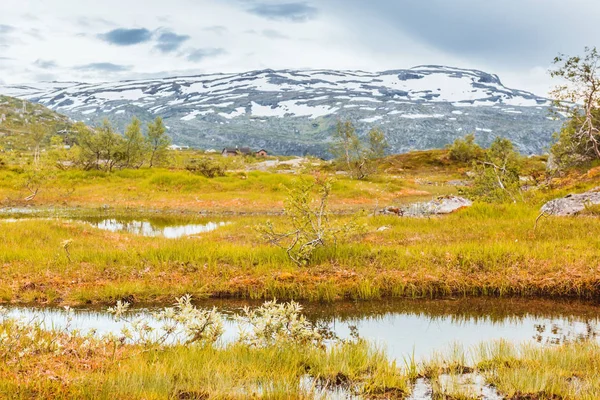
(16, 115)
(294, 112)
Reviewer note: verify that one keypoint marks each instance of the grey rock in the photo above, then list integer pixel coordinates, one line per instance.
(440, 206)
(572, 204)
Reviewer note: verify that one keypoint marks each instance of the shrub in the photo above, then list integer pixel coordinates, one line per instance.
(497, 177)
(311, 223)
(465, 150)
(207, 167)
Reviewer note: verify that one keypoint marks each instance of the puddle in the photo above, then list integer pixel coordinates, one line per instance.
(151, 228)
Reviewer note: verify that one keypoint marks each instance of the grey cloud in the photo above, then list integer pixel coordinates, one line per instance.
(94, 21)
(4, 29)
(296, 12)
(273, 34)
(218, 29)
(45, 77)
(168, 42)
(126, 37)
(514, 33)
(103, 67)
(268, 33)
(45, 64)
(201, 54)
(6, 38)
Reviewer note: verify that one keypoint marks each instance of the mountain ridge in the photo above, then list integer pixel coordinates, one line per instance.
(294, 112)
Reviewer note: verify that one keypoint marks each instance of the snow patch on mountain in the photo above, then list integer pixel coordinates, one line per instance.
(298, 109)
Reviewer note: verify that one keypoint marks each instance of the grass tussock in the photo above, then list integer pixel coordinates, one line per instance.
(569, 371)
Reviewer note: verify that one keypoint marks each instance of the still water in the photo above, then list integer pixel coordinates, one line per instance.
(152, 228)
(403, 328)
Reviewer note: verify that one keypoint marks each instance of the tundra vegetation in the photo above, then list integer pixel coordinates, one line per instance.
(321, 237)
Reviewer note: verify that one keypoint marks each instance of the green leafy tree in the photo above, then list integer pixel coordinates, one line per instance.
(498, 176)
(158, 142)
(39, 132)
(378, 144)
(358, 158)
(112, 145)
(135, 145)
(90, 154)
(579, 98)
(100, 148)
(465, 149)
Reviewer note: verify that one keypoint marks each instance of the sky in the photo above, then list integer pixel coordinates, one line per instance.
(109, 40)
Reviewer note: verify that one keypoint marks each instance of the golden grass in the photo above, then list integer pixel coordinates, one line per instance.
(486, 250)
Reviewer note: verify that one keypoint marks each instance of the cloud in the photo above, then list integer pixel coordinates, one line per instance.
(509, 33)
(45, 64)
(200, 54)
(86, 21)
(296, 12)
(103, 67)
(218, 29)
(4, 29)
(273, 34)
(126, 37)
(168, 42)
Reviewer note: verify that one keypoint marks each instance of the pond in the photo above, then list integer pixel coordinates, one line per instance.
(149, 227)
(404, 328)
(154, 228)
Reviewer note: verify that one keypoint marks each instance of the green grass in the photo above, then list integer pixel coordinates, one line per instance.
(489, 250)
(40, 364)
(183, 191)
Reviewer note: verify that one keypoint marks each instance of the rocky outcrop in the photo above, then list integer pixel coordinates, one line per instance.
(572, 204)
(440, 206)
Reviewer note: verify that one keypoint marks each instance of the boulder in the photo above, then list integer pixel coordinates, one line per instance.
(441, 205)
(449, 204)
(572, 204)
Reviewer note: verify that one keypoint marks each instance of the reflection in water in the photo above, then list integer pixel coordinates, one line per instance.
(402, 328)
(151, 229)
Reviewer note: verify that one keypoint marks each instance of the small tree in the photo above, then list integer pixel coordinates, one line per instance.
(39, 132)
(101, 148)
(497, 177)
(579, 98)
(158, 141)
(111, 145)
(360, 160)
(135, 145)
(310, 220)
(90, 147)
(378, 144)
(465, 150)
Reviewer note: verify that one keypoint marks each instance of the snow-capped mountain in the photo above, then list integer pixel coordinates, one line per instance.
(295, 111)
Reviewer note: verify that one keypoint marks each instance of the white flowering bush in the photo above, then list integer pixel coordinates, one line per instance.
(21, 340)
(183, 323)
(275, 323)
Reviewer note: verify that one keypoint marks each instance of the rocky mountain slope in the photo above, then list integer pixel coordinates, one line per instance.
(295, 111)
